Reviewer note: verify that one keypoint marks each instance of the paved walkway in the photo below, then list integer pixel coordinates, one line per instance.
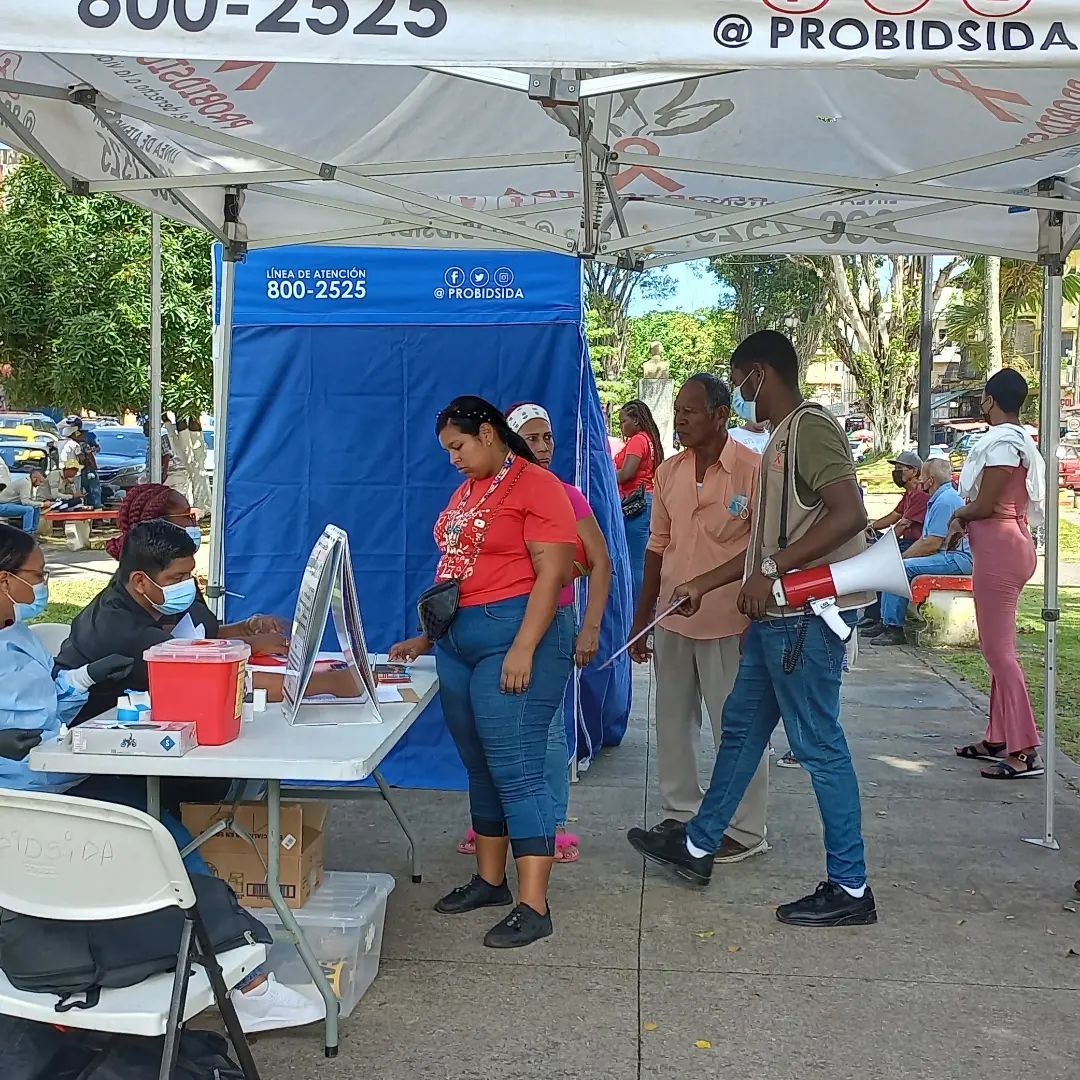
(972, 972)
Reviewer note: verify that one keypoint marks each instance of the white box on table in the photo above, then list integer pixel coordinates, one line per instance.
(343, 924)
(133, 740)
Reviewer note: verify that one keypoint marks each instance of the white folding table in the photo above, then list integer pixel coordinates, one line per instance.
(269, 749)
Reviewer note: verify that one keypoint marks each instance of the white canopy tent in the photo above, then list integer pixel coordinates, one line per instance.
(618, 130)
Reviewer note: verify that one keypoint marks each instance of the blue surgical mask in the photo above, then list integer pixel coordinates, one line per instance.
(26, 612)
(196, 535)
(745, 410)
(176, 598)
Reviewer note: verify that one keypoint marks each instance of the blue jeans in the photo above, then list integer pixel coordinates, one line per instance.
(92, 487)
(557, 767)
(502, 738)
(637, 539)
(952, 563)
(30, 516)
(808, 701)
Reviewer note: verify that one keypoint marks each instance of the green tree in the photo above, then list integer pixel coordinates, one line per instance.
(777, 292)
(875, 330)
(608, 291)
(1020, 295)
(692, 341)
(75, 301)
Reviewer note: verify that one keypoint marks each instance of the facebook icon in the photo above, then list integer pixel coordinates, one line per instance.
(454, 277)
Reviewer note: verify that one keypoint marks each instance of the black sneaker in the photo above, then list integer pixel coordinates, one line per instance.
(477, 894)
(830, 905)
(666, 825)
(1076, 886)
(873, 629)
(891, 635)
(866, 622)
(521, 927)
(668, 848)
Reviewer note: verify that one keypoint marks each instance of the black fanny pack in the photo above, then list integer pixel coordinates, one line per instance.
(633, 505)
(437, 608)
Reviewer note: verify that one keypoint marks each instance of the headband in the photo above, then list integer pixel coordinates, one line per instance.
(520, 415)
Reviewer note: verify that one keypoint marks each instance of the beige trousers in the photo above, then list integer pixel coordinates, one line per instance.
(687, 671)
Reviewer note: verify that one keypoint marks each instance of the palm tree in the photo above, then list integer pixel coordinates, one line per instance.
(1020, 293)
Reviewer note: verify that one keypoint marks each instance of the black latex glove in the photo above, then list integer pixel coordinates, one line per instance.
(109, 668)
(16, 743)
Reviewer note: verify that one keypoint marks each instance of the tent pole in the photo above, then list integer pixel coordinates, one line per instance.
(215, 589)
(1050, 381)
(926, 355)
(156, 408)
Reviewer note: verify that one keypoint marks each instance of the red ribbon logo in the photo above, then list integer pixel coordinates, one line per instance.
(628, 175)
(986, 96)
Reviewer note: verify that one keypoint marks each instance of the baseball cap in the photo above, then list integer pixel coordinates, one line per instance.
(909, 459)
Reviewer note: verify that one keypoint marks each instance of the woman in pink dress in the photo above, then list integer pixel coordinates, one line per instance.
(1003, 482)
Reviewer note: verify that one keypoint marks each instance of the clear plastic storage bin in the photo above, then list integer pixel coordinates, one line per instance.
(343, 923)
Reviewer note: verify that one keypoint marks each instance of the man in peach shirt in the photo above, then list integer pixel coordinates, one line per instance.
(702, 502)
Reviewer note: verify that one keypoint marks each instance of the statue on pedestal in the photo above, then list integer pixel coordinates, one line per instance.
(656, 366)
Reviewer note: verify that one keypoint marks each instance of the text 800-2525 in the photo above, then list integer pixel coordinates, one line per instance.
(378, 18)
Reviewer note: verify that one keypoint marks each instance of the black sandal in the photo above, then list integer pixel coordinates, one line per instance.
(989, 752)
(1005, 771)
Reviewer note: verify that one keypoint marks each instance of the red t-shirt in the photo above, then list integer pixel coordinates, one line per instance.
(640, 446)
(913, 507)
(490, 557)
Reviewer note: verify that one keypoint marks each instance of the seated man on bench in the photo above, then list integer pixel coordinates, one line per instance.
(927, 555)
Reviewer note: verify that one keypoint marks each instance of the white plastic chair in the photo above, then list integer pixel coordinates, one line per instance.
(78, 860)
(52, 635)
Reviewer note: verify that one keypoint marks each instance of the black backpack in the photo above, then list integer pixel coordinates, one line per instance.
(30, 1051)
(70, 959)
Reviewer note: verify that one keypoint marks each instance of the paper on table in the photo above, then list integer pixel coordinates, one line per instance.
(388, 695)
(186, 630)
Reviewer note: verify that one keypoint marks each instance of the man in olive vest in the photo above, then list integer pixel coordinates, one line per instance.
(808, 512)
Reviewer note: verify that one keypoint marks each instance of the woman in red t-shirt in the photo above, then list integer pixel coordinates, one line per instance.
(507, 536)
(635, 465)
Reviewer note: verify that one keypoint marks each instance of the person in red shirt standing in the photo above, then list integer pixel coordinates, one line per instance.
(507, 537)
(635, 465)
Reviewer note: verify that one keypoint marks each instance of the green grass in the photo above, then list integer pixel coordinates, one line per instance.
(969, 662)
(877, 476)
(68, 596)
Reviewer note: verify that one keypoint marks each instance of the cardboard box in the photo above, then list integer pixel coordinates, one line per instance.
(233, 859)
(138, 740)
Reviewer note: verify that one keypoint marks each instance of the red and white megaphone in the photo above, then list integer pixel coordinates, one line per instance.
(880, 568)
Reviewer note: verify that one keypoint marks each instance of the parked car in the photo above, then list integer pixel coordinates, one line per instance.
(1068, 467)
(31, 427)
(23, 457)
(122, 457)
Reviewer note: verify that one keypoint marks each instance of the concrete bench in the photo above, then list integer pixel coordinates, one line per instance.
(77, 524)
(947, 611)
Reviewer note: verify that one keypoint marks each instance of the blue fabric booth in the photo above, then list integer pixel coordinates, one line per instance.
(341, 360)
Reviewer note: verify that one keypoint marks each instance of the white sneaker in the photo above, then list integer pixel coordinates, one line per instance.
(273, 1005)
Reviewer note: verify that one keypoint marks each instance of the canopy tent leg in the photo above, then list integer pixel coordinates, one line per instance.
(156, 408)
(1050, 382)
(215, 591)
(926, 355)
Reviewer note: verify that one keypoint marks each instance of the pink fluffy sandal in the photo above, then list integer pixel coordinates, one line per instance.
(567, 847)
(468, 844)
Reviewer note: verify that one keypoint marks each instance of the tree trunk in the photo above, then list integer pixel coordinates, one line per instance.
(992, 270)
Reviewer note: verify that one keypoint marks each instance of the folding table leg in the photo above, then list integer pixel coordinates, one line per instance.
(403, 821)
(153, 797)
(288, 920)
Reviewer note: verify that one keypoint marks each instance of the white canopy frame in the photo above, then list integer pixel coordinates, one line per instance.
(583, 103)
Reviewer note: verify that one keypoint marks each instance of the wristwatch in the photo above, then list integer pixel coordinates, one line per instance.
(769, 568)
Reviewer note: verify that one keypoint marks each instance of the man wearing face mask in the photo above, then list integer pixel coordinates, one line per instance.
(136, 610)
(906, 518)
(808, 512)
